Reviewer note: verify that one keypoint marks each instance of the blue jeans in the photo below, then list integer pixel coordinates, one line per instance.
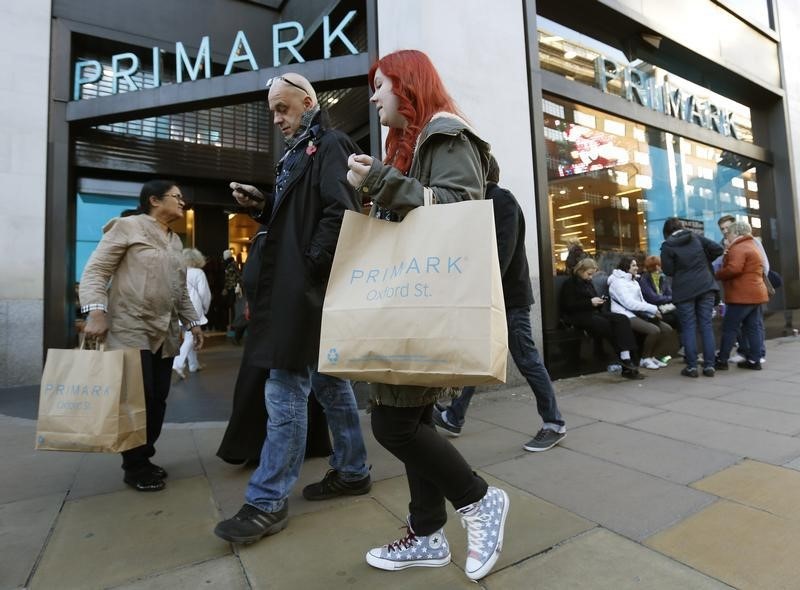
(744, 345)
(284, 448)
(747, 317)
(693, 314)
(526, 357)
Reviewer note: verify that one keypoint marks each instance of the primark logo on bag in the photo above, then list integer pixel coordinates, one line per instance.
(407, 278)
(75, 396)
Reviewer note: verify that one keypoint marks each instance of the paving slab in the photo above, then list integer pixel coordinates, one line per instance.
(678, 461)
(740, 440)
(35, 473)
(520, 416)
(641, 397)
(785, 385)
(742, 546)
(629, 502)
(24, 528)
(101, 473)
(759, 485)
(733, 413)
(602, 559)
(128, 535)
(781, 402)
(794, 464)
(606, 410)
(495, 444)
(326, 550)
(533, 525)
(225, 572)
(703, 387)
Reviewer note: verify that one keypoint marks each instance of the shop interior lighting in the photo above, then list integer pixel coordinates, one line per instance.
(572, 233)
(633, 190)
(576, 225)
(573, 205)
(580, 188)
(568, 217)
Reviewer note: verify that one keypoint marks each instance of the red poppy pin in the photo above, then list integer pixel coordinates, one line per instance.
(311, 148)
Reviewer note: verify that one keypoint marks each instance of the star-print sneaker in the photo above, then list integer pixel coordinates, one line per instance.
(411, 550)
(485, 522)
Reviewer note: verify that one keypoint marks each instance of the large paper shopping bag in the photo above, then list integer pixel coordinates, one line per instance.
(91, 401)
(418, 302)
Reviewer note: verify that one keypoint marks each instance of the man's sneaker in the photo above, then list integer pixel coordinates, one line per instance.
(749, 365)
(689, 372)
(332, 485)
(544, 439)
(649, 363)
(485, 522)
(440, 419)
(736, 358)
(663, 361)
(411, 551)
(708, 371)
(251, 524)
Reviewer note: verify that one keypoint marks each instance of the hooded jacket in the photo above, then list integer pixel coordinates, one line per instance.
(742, 273)
(626, 295)
(686, 257)
(450, 159)
(148, 294)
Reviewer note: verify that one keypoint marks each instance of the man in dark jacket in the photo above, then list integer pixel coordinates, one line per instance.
(303, 217)
(510, 229)
(687, 257)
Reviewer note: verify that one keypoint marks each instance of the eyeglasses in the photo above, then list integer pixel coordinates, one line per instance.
(272, 80)
(176, 197)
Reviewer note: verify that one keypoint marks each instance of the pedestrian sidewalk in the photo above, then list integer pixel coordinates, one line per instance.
(667, 483)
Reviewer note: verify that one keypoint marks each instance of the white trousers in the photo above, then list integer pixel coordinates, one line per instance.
(187, 353)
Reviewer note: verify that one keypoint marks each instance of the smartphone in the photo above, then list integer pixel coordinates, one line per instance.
(249, 194)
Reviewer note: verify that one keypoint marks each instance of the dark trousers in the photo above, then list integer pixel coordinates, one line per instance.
(614, 327)
(435, 469)
(156, 373)
(746, 317)
(526, 357)
(247, 427)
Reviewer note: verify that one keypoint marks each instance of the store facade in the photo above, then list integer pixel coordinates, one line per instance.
(605, 119)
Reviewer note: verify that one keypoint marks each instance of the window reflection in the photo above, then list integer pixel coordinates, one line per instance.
(613, 183)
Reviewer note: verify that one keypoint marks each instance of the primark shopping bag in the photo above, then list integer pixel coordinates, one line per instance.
(418, 302)
(91, 401)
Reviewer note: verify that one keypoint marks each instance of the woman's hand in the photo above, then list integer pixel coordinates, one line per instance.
(197, 332)
(598, 301)
(359, 165)
(96, 325)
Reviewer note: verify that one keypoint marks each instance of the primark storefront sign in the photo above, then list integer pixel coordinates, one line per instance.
(657, 93)
(125, 65)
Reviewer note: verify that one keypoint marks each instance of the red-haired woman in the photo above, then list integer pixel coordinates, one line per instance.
(429, 145)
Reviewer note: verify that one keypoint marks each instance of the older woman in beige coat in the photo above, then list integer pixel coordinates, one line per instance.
(134, 291)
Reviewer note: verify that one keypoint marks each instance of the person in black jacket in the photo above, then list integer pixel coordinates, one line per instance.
(247, 427)
(303, 216)
(510, 229)
(687, 257)
(583, 308)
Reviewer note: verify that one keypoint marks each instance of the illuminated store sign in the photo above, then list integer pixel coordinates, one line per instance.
(125, 65)
(658, 94)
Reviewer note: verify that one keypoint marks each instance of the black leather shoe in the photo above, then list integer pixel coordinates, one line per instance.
(157, 470)
(144, 481)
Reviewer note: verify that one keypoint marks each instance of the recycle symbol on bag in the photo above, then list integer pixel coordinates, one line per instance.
(333, 356)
